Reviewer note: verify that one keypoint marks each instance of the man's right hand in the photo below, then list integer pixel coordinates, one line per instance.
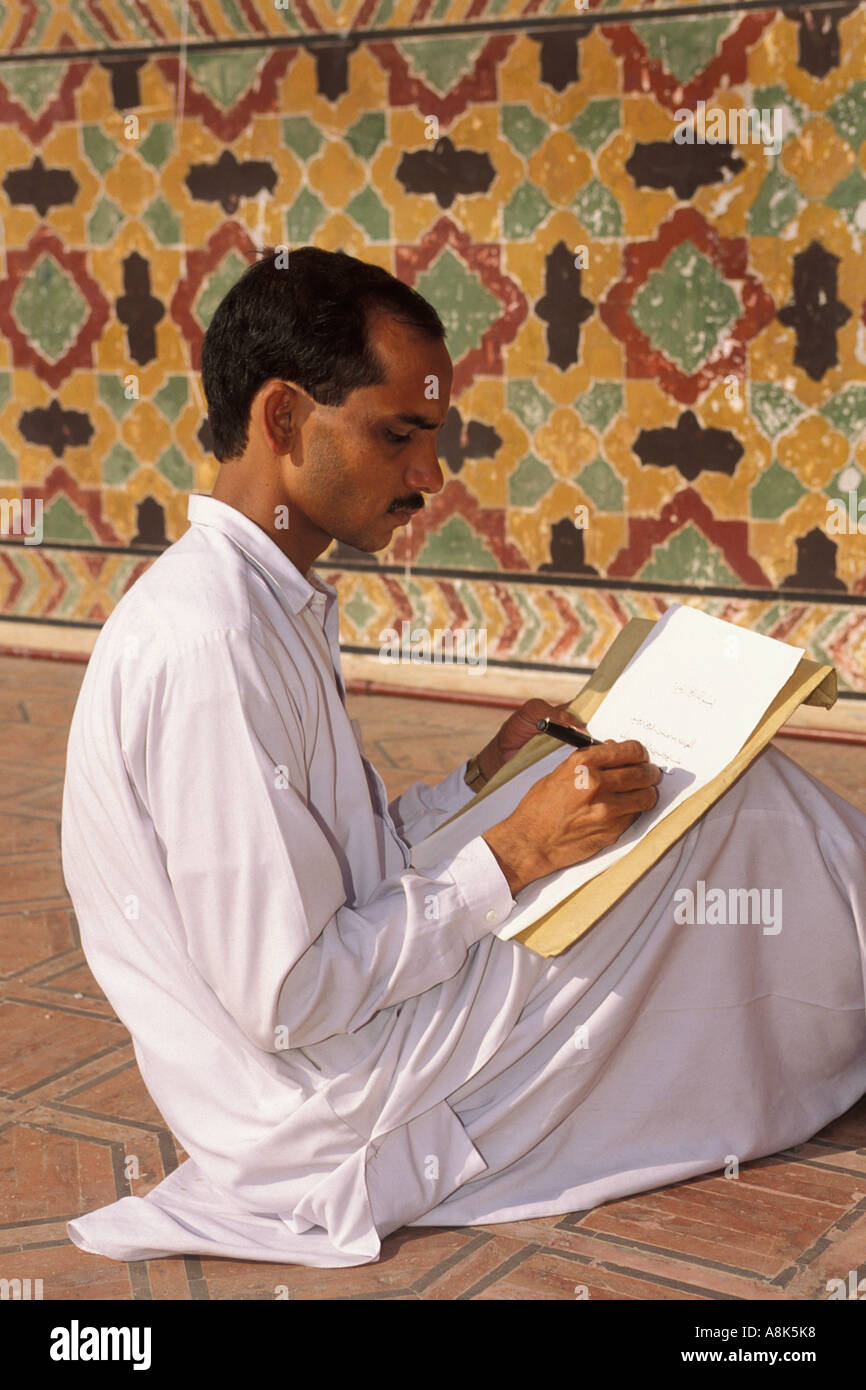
(568, 816)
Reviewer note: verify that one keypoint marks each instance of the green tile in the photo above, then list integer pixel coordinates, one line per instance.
(598, 210)
(172, 397)
(112, 394)
(773, 407)
(849, 196)
(8, 465)
(175, 468)
(465, 305)
(600, 404)
(523, 128)
(99, 148)
(774, 493)
(684, 47)
(5, 388)
(524, 212)
(225, 76)
(32, 84)
(118, 465)
(367, 210)
(529, 482)
(848, 114)
(441, 62)
(104, 222)
(847, 410)
(304, 216)
(157, 143)
(685, 307)
(531, 405)
(49, 307)
(359, 609)
(778, 200)
(162, 220)
(456, 546)
(688, 558)
(594, 126)
(602, 486)
(63, 522)
(367, 134)
(217, 286)
(301, 136)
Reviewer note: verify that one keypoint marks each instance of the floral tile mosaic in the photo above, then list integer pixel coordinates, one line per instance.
(659, 346)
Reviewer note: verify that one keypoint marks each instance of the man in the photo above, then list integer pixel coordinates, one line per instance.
(337, 1058)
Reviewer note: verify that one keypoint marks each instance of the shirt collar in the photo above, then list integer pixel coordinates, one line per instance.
(297, 589)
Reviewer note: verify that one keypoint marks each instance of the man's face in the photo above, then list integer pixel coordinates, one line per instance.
(353, 467)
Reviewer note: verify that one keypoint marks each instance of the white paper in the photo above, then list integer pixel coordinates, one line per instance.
(691, 694)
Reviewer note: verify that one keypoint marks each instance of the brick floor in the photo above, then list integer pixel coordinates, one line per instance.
(73, 1109)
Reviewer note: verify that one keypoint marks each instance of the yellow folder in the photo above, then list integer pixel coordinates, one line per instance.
(554, 931)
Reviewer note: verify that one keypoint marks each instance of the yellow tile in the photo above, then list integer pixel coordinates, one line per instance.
(814, 450)
(564, 443)
(817, 158)
(336, 174)
(560, 168)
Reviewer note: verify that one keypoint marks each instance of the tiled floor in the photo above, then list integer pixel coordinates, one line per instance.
(76, 1124)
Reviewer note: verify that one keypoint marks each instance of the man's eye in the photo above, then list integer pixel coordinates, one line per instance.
(396, 438)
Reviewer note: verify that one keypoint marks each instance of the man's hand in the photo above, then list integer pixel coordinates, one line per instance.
(564, 819)
(518, 728)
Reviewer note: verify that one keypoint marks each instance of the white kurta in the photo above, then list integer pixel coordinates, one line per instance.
(337, 1040)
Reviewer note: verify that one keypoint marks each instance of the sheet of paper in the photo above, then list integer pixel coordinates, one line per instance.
(691, 694)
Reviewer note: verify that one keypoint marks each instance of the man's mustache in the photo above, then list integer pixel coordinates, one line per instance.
(412, 504)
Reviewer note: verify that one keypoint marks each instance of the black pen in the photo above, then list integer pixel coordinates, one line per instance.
(566, 734)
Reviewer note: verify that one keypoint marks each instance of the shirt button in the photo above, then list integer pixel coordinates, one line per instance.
(491, 916)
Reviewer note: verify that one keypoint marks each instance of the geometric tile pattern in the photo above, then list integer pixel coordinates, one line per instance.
(78, 1129)
(664, 339)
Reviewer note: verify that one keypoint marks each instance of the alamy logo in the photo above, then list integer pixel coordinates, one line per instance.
(738, 906)
(21, 1288)
(76, 1343)
(19, 518)
(465, 647)
(744, 125)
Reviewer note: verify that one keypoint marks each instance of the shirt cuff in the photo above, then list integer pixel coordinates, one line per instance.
(483, 887)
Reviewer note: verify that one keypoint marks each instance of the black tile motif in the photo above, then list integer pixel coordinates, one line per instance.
(563, 308)
(445, 172)
(690, 448)
(819, 37)
(332, 68)
(559, 55)
(138, 310)
(816, 564)
(151, 523)
(125, 87)
(684, 168)
(227, 181)
(56, 427)
(566, 550)
(816, 313)
(457, 442)
(39, 187)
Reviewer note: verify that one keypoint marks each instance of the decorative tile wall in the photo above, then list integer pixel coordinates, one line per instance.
(660, 348)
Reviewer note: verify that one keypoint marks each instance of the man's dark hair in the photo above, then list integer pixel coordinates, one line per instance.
(304, 321)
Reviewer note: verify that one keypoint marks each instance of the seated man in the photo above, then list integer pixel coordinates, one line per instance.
(339, 1041)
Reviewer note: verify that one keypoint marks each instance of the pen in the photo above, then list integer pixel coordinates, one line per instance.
(566, 734)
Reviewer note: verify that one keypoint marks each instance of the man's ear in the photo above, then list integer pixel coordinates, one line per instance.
(279, 414)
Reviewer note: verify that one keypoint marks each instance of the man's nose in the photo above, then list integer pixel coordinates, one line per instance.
(425, 473)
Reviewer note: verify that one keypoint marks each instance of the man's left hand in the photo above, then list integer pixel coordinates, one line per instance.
(518, 728)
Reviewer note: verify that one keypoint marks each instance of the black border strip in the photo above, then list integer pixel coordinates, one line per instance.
(527, 24)
(556, 578)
